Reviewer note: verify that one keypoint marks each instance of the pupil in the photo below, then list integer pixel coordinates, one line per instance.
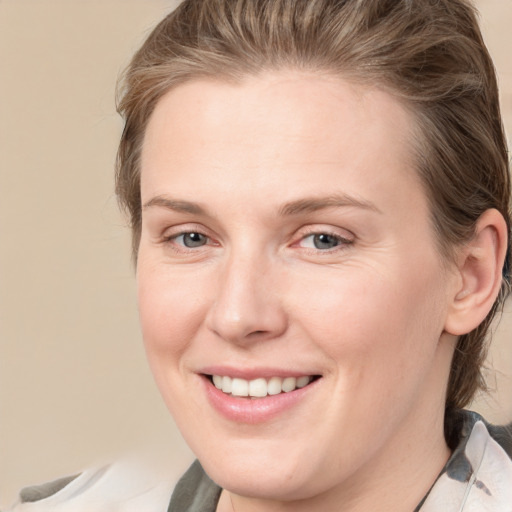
(324, 241)
(194, 239)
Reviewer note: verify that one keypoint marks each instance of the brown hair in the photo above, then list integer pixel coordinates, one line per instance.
(428, 53)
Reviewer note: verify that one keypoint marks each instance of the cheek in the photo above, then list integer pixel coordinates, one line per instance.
(379, 322)
(170, 310)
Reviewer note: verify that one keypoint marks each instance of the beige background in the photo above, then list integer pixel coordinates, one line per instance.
(74, 387)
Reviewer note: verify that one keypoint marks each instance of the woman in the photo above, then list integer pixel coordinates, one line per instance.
(319, 198)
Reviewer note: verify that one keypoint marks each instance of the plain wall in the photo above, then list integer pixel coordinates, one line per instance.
(75, 389)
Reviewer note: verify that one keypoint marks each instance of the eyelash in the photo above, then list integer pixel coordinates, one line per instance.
(342, 242)
(170, 240)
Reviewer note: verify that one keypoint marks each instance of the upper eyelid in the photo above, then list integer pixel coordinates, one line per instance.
(334, 235)
(325, 232)
(318, 229)
(174, 236)
(183, 233)
(169, 242)
(180, 229)
(302, 232)
(344, 241)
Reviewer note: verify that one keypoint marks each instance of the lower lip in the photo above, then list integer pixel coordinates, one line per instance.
(257, 410)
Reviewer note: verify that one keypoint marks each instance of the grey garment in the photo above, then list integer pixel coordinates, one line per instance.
(459, 425)
(195, 492)
(40, 492)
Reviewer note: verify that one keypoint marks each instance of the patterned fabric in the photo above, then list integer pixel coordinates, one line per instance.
(126, 486)
(476, 478)
(478, 475)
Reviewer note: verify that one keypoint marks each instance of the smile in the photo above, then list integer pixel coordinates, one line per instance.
(257, 399)
(259, 387)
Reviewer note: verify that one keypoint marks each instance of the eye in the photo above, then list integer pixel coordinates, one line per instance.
(322, 241)
(191, 239)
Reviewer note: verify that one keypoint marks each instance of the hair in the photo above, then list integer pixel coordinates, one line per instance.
(427, 53)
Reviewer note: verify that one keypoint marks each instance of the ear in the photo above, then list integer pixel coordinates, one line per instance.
(479, 266)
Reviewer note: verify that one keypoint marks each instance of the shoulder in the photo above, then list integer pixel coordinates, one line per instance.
(124, 487)
(195, 492)
(478, 475)
(43, 491)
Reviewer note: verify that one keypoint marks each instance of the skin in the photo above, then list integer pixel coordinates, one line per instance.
(369, 315)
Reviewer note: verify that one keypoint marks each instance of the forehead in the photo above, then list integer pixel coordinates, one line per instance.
(300, 127)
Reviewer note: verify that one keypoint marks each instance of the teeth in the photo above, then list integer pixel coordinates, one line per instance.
(289, 384)
(239, 387)
(259, 388)
(303, 381)
(226, 384)
(274, 386)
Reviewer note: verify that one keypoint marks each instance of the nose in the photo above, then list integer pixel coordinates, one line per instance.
(247, 306)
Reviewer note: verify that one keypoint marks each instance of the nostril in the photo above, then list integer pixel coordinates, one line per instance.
(258, 335)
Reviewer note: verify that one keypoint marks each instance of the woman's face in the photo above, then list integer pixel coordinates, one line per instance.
(286, 243)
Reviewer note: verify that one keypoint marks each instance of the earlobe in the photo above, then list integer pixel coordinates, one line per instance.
(480, 265)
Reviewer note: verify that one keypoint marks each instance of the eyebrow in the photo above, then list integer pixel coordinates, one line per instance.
(175, 205)
(313, 204)
(297, 207)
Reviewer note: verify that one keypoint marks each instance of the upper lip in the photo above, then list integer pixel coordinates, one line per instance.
(254, 372)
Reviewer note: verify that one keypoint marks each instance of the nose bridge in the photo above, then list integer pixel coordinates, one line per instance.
(246, 305)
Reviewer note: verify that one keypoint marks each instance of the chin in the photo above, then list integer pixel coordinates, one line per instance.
(269, 483)
(258, 470)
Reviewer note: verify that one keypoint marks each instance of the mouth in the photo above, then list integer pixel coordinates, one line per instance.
(260, 387)
(260, 397)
